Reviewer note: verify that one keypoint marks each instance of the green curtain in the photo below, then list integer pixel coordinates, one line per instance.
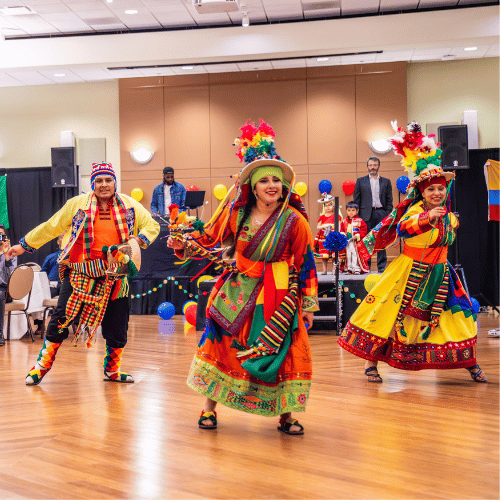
(4, 214)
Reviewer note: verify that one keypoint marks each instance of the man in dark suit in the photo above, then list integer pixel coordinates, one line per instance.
(373, 194)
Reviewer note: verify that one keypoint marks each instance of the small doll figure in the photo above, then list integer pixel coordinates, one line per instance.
(326, 223)
(354, 227)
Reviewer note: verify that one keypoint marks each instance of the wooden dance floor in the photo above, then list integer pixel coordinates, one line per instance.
(424, 435)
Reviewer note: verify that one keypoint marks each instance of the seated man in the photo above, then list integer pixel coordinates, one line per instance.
(7, 265)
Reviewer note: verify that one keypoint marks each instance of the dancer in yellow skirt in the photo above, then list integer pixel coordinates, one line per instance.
(418, 315)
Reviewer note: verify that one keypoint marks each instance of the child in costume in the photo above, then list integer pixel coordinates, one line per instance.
(254, 355)
(355, 229)
(326, 223)
(418, 315)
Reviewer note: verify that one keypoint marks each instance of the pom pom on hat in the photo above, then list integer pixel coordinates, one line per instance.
(101, 169)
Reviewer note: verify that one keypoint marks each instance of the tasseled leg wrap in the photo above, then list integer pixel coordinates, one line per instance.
(43, 363)
(112, 362)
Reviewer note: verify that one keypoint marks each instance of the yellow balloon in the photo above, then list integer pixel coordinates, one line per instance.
(220, 191)
(137, 194)
(205, 277)
(371, 281)
(301, 188)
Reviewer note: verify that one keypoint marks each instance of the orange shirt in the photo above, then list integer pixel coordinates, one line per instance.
(105, 233)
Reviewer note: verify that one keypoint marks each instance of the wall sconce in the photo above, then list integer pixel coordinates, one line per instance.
(142, 152)
(380, 146)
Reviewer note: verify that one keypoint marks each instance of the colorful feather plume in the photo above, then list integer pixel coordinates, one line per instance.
(256, 142)
(417, 149)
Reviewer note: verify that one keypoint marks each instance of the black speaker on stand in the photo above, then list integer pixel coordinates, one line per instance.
(455, 146)
(64, 172)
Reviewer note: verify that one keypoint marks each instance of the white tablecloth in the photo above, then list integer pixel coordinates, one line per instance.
(39, 292)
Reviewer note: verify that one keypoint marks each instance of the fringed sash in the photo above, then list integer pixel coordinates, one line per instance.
(92, 290)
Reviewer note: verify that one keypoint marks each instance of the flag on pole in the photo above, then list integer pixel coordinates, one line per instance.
(4, 214)
(492, 174)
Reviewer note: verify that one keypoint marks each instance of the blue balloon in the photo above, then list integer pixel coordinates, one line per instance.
(166, 310)
(402, 184)
(325, 186)
(475, 305)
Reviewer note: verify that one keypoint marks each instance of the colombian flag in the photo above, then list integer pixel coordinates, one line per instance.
(491, 172)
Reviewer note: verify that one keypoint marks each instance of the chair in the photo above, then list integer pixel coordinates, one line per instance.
(34, 265)
(49, 303)
(19, 286)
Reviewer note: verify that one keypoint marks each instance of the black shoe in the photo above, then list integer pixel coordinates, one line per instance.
(2, 340)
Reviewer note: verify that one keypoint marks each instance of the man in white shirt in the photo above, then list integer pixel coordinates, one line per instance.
(373, 194)
(167, 193)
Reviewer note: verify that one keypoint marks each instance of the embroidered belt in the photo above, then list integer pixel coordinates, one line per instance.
(437, 255)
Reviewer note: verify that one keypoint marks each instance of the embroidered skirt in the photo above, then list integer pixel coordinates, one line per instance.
(371, 334)
(216, 372)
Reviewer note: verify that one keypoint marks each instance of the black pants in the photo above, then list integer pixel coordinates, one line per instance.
(378, 214)
(114, 323)
(3, 293)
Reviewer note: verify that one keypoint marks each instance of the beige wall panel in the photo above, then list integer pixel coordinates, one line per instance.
(328, 168)
(331, 125)
(281, 104)
(142, 173)
(187, 140)
(380, 98)
(147, 187)
(329, 71)
(258, 76)
(141, 119)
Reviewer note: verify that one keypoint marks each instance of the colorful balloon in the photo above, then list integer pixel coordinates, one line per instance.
(192, 187)
(137, 194)
(475, 305)
(370, 281)
(348, 187)
(402, 184)
(220, 191)
(166, 310)
(190, 314)
(205, 277)
(325, 186)
(301, 188)
(186, 305)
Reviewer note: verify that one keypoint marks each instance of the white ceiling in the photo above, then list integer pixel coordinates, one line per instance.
(50, 26)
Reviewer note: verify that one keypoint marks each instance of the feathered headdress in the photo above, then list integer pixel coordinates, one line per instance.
(256, 142)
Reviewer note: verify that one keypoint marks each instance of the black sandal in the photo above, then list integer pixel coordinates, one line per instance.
(208, 415)
(285, 427)
(475, 376)
(378, 378)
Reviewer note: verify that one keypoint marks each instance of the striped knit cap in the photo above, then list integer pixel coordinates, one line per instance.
(101, 169)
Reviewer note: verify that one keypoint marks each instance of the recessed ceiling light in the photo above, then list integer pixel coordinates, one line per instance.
(470, 48)
(131, 11)
(187, 67)
(322, 59)
(59, 74)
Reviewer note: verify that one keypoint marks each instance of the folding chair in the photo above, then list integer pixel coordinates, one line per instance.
(19, 286)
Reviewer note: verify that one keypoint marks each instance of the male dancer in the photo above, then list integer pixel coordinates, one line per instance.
(99, 222)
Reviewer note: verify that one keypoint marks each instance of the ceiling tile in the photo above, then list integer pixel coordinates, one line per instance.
(255, 66)
(9, 81)
(427, 4)
(88, 7)
(315, 14)
(288, 63)
(197, 69)
(69, 76)
(90, 74)
(353, 7)
(221, 68)
(493, 51)
(30, 77)
(34, 25)
(51, 9)
(156, 71)
(312, 62)
(395, 5)
(358, 59)
(388, 56)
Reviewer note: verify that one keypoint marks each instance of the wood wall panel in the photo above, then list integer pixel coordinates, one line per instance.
(187, 125)
(141, 119)
(331, 120)
(282, 104)
(380, 98)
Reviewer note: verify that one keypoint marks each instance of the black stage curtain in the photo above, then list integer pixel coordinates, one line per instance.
(31, 200)
(477, 246)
